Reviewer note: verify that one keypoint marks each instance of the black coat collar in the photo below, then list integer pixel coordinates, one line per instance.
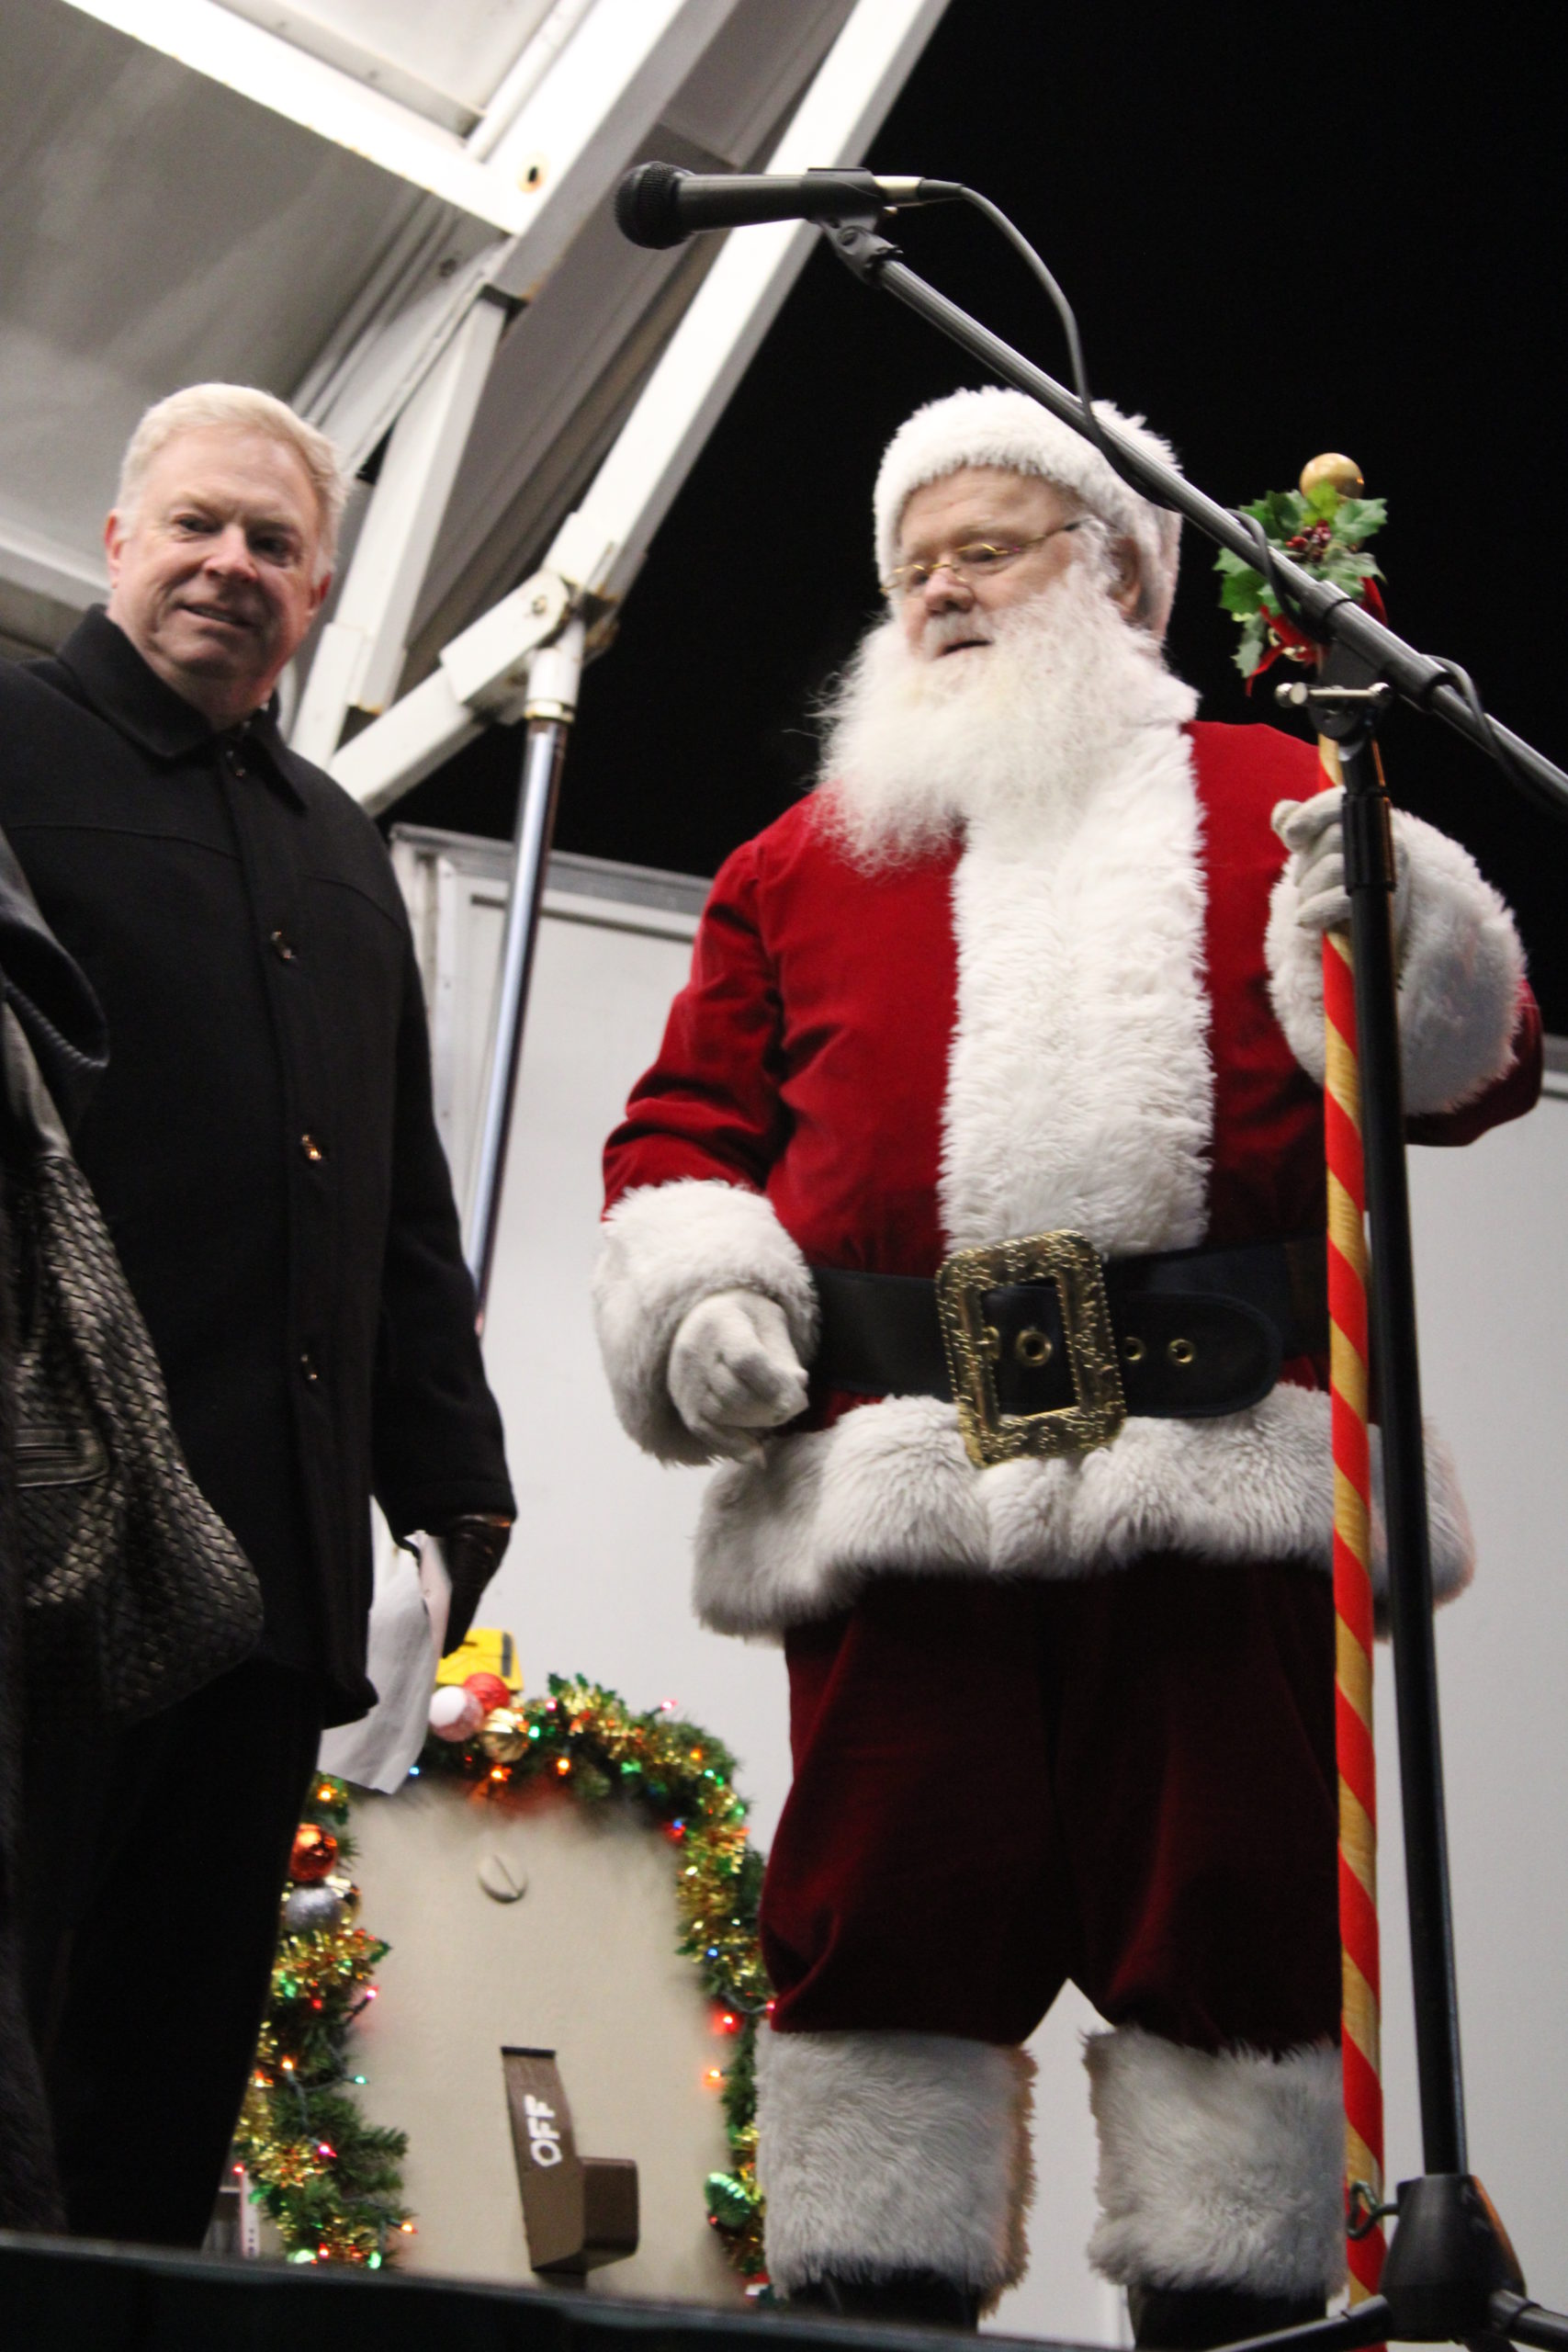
(112, 679)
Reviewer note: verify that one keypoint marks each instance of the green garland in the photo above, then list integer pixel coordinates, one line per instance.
(329, 2181)
(1326, 532)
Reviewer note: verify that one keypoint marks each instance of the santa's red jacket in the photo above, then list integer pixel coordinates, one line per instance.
(1112, 1026)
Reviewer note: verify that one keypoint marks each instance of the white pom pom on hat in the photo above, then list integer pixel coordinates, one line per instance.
(998, 427)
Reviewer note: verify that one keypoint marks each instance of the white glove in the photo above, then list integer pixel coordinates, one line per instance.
(733, 1371)
(1314, 831)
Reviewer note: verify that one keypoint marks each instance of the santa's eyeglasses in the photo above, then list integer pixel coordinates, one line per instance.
(974, 560)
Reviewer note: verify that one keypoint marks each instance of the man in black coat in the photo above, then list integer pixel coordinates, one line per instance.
(264, 1150)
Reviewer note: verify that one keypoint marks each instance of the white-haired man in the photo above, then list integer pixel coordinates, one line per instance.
(264, 1150)
(1031, 966)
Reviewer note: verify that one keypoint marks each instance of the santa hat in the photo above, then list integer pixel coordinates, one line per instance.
(1005, 428)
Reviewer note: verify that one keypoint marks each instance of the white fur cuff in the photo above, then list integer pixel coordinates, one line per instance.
(885, 2152)
(665, 1248)
(1460, 965)
(1219, 2170)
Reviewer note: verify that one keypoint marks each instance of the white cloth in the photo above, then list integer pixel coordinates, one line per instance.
(407, 1625)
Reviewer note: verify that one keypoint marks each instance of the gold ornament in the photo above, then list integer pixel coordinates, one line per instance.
(1343, 473)
(506, 1735)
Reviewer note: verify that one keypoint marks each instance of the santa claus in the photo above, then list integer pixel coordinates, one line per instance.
(972, 1215)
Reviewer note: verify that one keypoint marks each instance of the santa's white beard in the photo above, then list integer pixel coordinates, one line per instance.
(1009, 733)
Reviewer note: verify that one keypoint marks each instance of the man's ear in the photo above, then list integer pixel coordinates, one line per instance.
(1127, 594)
(319, 594)
(114, 539)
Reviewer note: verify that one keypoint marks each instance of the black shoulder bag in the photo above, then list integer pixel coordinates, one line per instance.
(135, 1591)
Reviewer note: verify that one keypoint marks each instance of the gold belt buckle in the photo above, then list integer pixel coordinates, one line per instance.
(1071, 1262)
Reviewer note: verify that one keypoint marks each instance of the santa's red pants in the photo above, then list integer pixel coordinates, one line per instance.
(1126, 1779)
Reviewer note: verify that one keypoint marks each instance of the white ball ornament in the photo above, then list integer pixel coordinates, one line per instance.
(455, 1713)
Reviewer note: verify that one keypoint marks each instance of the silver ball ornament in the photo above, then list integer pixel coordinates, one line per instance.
(310, 1910)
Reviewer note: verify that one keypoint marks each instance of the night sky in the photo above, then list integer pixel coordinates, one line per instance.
(1317, 230)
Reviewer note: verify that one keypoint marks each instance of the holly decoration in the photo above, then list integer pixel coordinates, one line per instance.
(330, 2180)
(1323, 528)
(681, 1781)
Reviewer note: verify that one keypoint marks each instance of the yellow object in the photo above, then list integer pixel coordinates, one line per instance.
(1343, 473)
(485, 1650)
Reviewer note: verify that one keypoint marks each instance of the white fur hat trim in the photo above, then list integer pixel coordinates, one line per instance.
(994, 427)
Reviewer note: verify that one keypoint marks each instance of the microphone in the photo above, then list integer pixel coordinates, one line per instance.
(659, 204)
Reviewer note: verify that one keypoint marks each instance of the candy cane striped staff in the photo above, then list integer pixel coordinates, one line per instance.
(1361, 2012)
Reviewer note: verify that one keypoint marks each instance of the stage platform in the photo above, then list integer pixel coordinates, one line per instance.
(73, 2296)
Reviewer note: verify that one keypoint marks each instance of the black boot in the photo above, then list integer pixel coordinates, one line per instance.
(903, 2298)
(1192, 2319)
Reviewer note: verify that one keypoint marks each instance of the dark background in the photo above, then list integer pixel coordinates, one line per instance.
(1281, 234)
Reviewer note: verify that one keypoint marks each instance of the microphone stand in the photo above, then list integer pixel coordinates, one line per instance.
(1451, 2275)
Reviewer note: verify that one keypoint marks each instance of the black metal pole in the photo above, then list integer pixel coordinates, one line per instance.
(1327, 613)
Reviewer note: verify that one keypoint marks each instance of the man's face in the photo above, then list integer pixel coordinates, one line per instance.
(214, 576)
(950, 615)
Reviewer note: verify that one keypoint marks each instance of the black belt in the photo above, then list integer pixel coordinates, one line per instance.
(1046, 1348)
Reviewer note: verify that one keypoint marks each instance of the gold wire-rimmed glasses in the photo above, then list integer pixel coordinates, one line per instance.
(977, 559)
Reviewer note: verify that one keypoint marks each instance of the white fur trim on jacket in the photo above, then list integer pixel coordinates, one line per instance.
(1217, 2170)
(993, 427)
(885, 2152)
(665, 1248)
(889, 1490)
(1460, 965)
(1079, 1085)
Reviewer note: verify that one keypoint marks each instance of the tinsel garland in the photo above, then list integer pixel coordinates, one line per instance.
(330, 2180)
(680, 1781)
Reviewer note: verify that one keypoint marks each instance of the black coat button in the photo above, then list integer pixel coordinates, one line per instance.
(312, 1150)
(309, 1369)
(283, 947)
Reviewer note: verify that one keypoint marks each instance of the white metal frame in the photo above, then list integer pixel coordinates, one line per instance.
(483, 675)
(360, 655)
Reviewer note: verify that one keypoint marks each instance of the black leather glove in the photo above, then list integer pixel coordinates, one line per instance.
(473, 1548)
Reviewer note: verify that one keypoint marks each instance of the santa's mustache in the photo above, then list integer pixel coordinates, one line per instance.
(940, 630)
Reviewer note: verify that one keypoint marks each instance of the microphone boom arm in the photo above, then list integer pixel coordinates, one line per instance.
(1324, 611)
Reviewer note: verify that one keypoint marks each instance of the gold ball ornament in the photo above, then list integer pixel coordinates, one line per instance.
(506, 1735)
(1340, 472)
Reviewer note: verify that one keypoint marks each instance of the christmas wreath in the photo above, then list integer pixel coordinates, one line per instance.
(328, 2180)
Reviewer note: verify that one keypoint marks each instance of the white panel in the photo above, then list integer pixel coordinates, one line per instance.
(586, 1964)
(1491, 1266)
(211, 39)
(461, 49)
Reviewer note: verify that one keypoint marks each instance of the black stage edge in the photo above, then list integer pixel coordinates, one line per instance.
(77, 2297)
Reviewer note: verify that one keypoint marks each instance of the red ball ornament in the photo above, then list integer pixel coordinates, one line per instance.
(315, 1851)
(489, 1689)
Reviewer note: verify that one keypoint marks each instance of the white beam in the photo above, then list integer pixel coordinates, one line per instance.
(361, 653)
(600, 547)
(744, 291)
(602, 79)
(604, 89)
(483, 675)
(212, 40)
(43, 566)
